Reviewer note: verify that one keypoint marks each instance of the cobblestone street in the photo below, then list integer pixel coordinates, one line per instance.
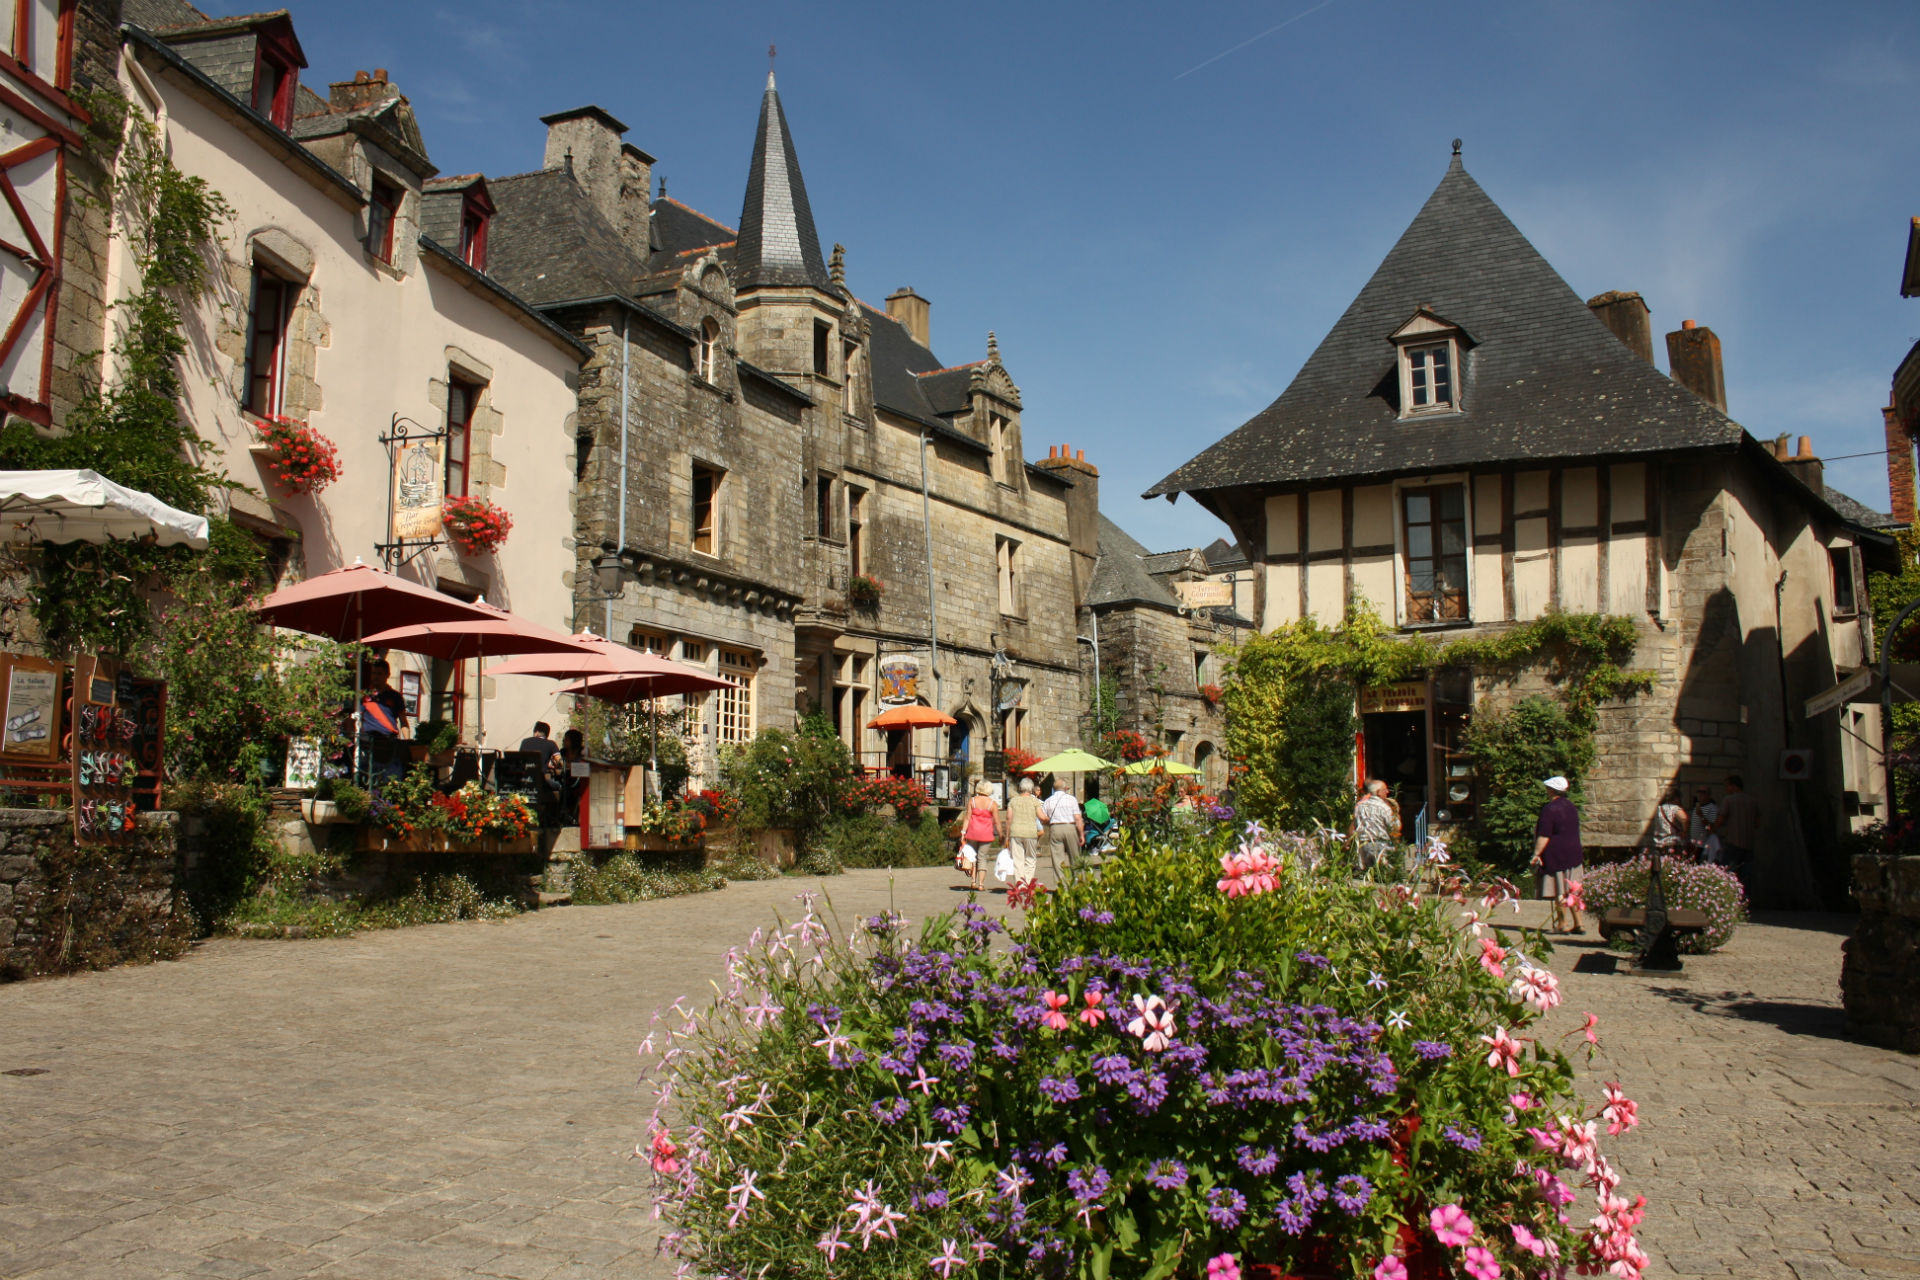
(457, 1100)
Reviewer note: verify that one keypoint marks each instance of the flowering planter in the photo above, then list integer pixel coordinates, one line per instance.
(319, 813)
(643, 842)
(376, 840)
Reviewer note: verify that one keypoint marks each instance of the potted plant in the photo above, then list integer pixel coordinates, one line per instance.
(319, 809)
(863, 592)
(299, 459)
(1211, 692)
(475, 525)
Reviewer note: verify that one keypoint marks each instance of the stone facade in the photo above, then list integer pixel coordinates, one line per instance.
(1880, 981)
(63, 908)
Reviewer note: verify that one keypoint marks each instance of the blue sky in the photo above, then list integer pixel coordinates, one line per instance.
(1161, 234)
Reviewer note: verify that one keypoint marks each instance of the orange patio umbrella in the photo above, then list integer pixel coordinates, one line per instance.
(911, 716)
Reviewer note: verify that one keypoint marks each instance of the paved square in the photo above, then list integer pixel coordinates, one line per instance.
(457, 1100)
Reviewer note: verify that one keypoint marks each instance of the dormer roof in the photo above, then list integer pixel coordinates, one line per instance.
(1549, 381)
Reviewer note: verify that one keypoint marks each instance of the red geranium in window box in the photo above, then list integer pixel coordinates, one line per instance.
(475, 525)
(299, 459)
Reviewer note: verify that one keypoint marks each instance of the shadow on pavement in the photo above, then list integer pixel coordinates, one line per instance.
(1834, 922)
(1796, 1018)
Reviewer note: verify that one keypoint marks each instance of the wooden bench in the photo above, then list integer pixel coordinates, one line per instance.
(1658, 925)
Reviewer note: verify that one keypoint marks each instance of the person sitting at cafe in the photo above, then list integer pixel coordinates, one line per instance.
(546, 777)
(573, 750)
(383, 709)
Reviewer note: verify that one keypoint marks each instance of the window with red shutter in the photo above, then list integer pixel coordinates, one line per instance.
(273, 300)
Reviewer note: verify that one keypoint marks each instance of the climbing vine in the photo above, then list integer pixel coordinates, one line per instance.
(1288, 695)
(133, 432)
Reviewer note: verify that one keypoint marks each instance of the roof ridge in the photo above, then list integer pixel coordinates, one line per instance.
(952, 368)
(696, 213)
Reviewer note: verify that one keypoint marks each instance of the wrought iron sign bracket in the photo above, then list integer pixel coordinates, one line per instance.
(401, 432)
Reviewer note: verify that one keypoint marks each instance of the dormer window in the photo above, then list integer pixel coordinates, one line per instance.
(706, 352)
(476, 211)
(1429, 358)
(277, 60)
(383, 210)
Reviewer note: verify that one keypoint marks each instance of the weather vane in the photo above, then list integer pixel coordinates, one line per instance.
(772, 52)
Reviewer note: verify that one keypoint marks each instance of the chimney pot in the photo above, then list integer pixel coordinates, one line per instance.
(361, 77)
(380, 75)
(913, 313)
(1080, 455)
(1806, 447)
(1625, 313)
(1693, 354)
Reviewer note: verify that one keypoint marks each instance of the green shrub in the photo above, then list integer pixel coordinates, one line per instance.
(875, 841)
(797, 781)
(625, 878)
(1513, 751)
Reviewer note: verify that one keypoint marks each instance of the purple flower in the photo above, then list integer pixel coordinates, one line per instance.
(1224, 1207)
(1168, 1175)
(1060, 1088)
(1351, 1193)
(1260, 1163)
(890, 1112)
(952, 1119)
(1096, 917)
(1089, 1184)
(1111, 1069)
(1292, 1216)
(1307, 957)
(1432, 1050)
(1465, 1139)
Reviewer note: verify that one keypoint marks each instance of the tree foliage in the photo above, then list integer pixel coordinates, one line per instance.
(792, 780)
(1513, 750)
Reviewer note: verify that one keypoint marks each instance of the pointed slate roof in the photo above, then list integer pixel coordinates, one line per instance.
(778, 244)
(1544, 379)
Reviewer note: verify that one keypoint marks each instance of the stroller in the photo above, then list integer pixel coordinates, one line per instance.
(1103, 838)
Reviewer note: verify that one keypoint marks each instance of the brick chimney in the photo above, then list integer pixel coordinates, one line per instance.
(1899, 465)
(1626, 314)
(913, 313)
(1083, 510)
(615, 177)
(365, 89)
(1802, 462)
(1693, 353)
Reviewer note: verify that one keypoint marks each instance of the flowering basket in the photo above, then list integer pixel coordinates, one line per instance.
(475, 525)
(299, 459)
(1123, 745)
(863, 591)
(1700, 886)
(1020, 760)
(1224, 1055)
(410, 806)
(1211, 692)
(906, 795)
(680, 821)
(716, 805)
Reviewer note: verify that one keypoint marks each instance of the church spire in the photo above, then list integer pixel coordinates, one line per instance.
(778, 245)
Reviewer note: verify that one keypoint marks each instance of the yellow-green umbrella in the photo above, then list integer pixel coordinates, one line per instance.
(1072, 760)
(1173, 767)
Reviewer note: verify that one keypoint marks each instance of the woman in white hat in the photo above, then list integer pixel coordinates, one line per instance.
(1557, 853)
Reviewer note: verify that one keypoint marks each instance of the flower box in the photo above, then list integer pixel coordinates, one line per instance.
(298, 458)
(319, 813)
(374, 839)
(639, 841)
(475, 525)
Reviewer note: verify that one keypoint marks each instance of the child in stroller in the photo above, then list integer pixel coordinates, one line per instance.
(1103, 829)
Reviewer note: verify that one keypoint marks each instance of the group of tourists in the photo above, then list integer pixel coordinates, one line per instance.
(1024, 828)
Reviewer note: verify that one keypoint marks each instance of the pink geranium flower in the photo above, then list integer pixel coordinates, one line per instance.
(1055, 1002)
(1503, 1051)
(1451, 1225)
(666, 1156)
(1538, 989)
(1621, 1112)
(1093, 1015)
(1480, 1263)
(1390, 1268)
(1529, 1241)
(1592, 1022)
(1154, 1023)
(1491, 956)
(1223, 1267)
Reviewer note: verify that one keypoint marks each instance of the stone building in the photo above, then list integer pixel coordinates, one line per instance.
(781, 481)
(336, 305)
(1471, 447)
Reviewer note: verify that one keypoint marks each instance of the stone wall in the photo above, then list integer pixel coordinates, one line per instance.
(63, 908)
(1880, 979)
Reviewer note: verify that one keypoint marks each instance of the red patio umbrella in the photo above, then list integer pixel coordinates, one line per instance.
(486, 637)
(632, 687)
(343, 603)
(595, 656)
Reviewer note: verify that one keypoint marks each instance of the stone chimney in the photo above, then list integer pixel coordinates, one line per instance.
(365, 89)
(1899, 466)
(1083, 510)
(1693, 353)
(1801, 461)
(1626, 314)
(586, 142)
(914, 314)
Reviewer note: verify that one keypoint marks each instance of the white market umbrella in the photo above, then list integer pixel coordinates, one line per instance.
(85, 506)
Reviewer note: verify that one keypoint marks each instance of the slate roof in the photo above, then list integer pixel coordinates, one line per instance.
(1544, 379)
(1120, 575)
(547, 243)
(677, 228)
(778, 244)
(1854, 511)
(157, 14)
(1221, 554)
(949, 390)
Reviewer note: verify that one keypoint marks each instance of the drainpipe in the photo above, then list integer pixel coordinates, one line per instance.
(926, 523)
(626, 352)
(1805, 889)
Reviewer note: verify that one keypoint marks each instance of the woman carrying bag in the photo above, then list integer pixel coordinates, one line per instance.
(982, 828)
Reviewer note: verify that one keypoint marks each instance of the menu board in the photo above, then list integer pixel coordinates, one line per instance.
(32, 724)
(303, 764)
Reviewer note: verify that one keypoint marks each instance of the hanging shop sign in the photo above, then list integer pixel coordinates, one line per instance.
(32, 708)
(899, 681)
(1409, 696)
(1204, 593)
(417, 482)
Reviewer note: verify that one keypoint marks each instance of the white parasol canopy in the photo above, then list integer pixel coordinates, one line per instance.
(85, 506)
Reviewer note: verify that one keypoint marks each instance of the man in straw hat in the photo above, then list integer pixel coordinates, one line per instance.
(1556, 852)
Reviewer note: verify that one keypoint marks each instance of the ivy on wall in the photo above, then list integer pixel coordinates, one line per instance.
(133, 432)
(1288, 696)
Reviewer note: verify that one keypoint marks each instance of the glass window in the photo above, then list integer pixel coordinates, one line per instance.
(706, 353)
(705, 519)
(383, 210)
(267, 343)
(1435, 522)
(461, 398)
(1845, 590)
(473, 237)
(733, 707)
(1430, 377)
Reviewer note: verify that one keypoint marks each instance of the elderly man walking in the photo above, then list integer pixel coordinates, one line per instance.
(1373, 826)
(1066, 829)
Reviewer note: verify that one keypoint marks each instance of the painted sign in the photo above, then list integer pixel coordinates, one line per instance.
(899, 681)
(1859, 682)
(33, 709)
(417, 477)
(1410, 696)
(1204, 593)
(303, 764)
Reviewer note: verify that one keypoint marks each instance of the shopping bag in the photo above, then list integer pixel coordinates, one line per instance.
(966, 859)
(1003, 865)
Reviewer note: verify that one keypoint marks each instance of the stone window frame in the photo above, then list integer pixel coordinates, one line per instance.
(713, 529)
(1009, 576)
(484, 420)
(274, 252)
(706, 352)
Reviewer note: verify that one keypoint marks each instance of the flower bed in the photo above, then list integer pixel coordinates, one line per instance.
(1207, 1059)
(475, 525)
(906, 795)
(410, 808)
(676, 821)
(299, 459)
(1701, 886)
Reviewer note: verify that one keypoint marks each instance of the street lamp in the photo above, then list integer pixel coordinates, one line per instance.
(608, 571)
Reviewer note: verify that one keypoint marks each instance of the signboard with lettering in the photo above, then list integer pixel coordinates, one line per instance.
(899, 681)
(993, 765)
(417, 483)
(1204, 593)
(1409, 696)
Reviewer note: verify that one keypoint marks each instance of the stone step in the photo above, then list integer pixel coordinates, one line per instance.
(554, 899)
